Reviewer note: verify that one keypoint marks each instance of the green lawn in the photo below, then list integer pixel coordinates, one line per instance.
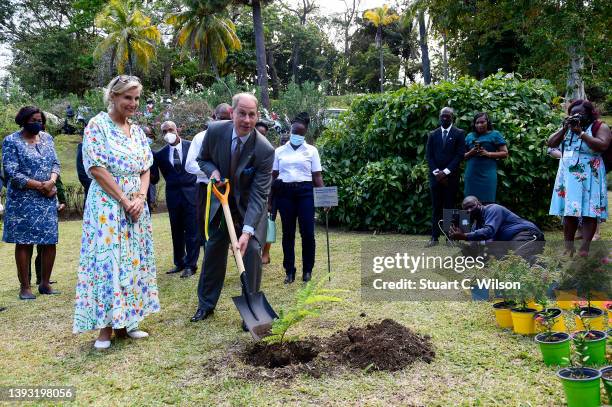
(184, 363)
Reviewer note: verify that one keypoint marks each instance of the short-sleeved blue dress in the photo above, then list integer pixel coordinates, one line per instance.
(30, 217)
(481, 172)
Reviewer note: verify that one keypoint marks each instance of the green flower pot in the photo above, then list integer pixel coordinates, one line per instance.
(556, 352)
(582, 391)
(595, 348)
(607, 382)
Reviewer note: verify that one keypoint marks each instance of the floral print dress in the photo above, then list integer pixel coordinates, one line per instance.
(580, 186)
(116, 284)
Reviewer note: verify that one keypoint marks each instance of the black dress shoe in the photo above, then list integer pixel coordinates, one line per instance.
(290, 278)
(2, 309)
(27, 297)
(307, 276)
(432, 243)
(188, 272)
(47, 292)
(202, 314)
(174, 270)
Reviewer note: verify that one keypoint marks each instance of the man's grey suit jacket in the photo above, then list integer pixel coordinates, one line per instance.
(251, 183)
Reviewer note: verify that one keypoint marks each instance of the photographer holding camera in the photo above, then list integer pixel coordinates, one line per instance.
(580, 186)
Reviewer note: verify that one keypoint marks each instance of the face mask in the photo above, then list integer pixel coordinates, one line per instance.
(170, 138)
(150, 140)
(296, 139)
(33, 128)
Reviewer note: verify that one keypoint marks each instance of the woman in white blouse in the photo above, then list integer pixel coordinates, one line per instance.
(298, 165)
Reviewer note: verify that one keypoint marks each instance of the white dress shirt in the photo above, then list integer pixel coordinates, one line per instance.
(442, 129)
(179, 148)
(191, 165)
(296, 165)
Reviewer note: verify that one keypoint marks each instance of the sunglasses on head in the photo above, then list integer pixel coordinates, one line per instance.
(125, 79)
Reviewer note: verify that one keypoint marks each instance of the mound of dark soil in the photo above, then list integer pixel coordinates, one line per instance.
(273, 356)
(386, 345)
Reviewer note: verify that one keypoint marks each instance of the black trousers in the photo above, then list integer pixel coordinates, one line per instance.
(442, 197)
(185, 245)
(201, 211)
(295, 202)
(214, 265)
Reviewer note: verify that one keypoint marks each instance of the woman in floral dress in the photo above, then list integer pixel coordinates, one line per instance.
(580, 187)
(116, 285)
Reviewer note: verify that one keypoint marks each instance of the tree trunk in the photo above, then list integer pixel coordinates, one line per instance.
(295, 61)
(260, 49)
(424, 48)
(575, 85)
(273, 74)
(444, 57)
(381, 63)
(129, 56)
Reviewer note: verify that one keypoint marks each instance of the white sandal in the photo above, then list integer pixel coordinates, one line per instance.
(102, 344)
(137, 334)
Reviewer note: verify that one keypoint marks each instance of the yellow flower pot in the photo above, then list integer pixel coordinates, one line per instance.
(535, 305)
(566, 298)
(596, 323)
(523, 321)
(502, 314)
(558, 326)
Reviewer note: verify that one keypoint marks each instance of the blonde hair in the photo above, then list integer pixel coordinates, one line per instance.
(119, 85)
(238, 96)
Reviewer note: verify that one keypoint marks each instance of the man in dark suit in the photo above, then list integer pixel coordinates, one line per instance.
(445, 150)
(180, 199)
(236, 151)
(83, 177)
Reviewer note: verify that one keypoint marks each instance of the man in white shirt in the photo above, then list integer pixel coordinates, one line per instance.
(222, 112)
(180, 199)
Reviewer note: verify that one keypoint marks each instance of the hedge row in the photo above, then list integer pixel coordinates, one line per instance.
(375, 153)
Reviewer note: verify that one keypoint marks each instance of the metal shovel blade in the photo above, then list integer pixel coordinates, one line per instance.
(256, 312)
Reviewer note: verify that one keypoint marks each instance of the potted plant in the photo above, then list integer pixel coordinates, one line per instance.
(606, 378)
(531, 281)
(551, 315)
(500, 271)
(555, 346)
(580, 383)
(590, 343)
(591, 275)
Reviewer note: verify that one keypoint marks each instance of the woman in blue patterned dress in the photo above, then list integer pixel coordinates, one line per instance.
(485, 146)
(580, 187)
(116, 285)
(31, 168)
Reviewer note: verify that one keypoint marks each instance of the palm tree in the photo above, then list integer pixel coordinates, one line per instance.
(201, 30)
(260, 48)
(130, 35)
(380, 17)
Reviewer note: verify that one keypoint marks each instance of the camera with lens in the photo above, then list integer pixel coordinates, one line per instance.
(573, 120)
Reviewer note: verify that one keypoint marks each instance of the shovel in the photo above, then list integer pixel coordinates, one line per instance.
(254, 308)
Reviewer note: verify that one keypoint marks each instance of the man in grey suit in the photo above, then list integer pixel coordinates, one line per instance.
(236, 151)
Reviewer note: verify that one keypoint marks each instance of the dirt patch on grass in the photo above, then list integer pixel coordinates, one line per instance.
(272, 356)
(386, 345)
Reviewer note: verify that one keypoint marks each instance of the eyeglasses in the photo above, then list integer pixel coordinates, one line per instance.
(125, 79)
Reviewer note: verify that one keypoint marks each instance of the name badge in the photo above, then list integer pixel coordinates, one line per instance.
(568, 154)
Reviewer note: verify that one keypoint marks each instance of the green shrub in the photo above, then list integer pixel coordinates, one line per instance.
(375, 153)
(308, 97)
